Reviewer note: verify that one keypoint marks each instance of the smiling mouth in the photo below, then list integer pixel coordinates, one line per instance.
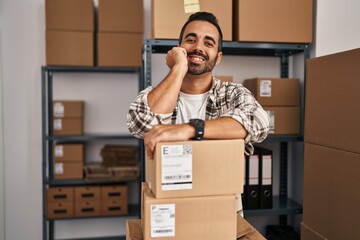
(196, 58)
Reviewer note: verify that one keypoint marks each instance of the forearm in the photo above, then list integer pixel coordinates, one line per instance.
(224, 128)
(164, 97)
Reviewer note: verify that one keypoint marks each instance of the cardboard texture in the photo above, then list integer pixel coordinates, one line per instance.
(208, 217)
(89, 193)
(128, 44)
(57, 210)
(284, 92)
(69, 48)
(68, 126)
(273, 21)
(332, 112)
(60, 194)
(114, 207)
(68, 109)
(64, 152)
(121, 16)
(87, 208)
(196, 168)
(68, 170)
(244, 230)
(331, 196)
(308, 233)
(115, 192)
(284, 120)
(168, 17)
(73, 15)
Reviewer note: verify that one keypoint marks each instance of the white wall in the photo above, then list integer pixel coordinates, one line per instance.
(338, 27)
(2, 178)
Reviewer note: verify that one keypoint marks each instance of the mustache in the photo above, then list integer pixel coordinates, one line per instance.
(198, 54)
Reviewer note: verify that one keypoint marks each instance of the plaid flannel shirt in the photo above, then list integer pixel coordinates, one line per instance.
(226, 99)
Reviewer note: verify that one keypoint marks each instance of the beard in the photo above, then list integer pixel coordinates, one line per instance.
(197, 69)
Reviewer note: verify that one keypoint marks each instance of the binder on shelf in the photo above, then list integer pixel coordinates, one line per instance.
(266, 193)
(253, 187)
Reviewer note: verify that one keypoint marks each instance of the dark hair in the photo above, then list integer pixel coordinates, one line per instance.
(203, 16)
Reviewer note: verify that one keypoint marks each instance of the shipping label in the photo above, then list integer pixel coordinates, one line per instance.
(162, 220)
(265, 88)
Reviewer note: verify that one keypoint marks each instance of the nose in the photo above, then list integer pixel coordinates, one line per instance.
(199, 47)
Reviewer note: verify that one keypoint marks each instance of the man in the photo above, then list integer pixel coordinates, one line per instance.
(190, 103)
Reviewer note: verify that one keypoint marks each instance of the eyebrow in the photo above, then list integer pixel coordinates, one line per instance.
(206, 37)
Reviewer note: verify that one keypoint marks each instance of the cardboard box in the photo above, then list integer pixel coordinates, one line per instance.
(115, 192)
(114, 207)
(331, 194)
(332, 112)
(87, 208)
(225, 78)
(68, 126)
(73, 15)
(307, 233)
(120, 49)
(68, 170)
(64, 152)
(244, 230)
(284, 120)
(89, 193)
(168, 17)
(273, 21)
(275, 91)
(56, 210)
(68, 109)
(196, 168)
(121, 16)
(69, 48)
(59, 194)
(208, 217)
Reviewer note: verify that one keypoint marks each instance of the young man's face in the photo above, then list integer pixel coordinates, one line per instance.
(201, 41)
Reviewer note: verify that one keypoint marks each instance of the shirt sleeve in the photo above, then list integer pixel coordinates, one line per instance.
(140, 118)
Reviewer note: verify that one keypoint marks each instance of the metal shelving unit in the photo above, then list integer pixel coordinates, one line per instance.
(282, 205)
(48, 140)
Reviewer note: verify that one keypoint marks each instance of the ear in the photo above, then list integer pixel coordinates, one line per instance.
(219, 57)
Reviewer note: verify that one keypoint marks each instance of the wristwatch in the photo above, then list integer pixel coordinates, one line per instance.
(199, 125)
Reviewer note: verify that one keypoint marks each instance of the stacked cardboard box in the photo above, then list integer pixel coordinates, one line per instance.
(68, 117)
(280, 97)
(70, 32)
(190, 190)
(68, 161)
(120, 33)
(89, 201)
(332, 148)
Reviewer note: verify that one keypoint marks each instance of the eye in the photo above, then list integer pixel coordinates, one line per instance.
(190, 40)
(209, 44)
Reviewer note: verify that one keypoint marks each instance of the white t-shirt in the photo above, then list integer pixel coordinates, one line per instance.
(191, 106)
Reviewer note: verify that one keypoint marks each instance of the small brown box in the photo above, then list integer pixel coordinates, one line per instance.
(60, 210)
(78, 15)
(89, 193)
(116, 192)
(114, 207)
(284, 120)
(121, 16)
(68, 170)
(69, 152)
(60, 194)
(68, 126)
(275, 91)
(68, 109)
(128, 44)
(87, 208)
(69, 48)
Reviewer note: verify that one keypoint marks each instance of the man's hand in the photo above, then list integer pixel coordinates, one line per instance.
(177, 56)
(166, 133)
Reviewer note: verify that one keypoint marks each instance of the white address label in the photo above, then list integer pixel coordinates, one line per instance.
(162, 220)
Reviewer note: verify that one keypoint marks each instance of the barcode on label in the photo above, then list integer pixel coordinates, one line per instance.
(163, 231)
(177, 177)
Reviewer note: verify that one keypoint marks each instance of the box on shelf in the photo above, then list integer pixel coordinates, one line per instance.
(60, 194)
(332, 115)
(64, 152)
(87, 208)
(114, 207)
(68, 108)
(284, 120)
(111, 44)
(121, 16)
(207, 217)
(119, 155)
(68, 126)
(114, 192)
(73, 15)
(68, 170)
(69, 48)
(275, 91)
(57, 210)
(273, 21)
(88, 193)
(168, 17)
(196, 168)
